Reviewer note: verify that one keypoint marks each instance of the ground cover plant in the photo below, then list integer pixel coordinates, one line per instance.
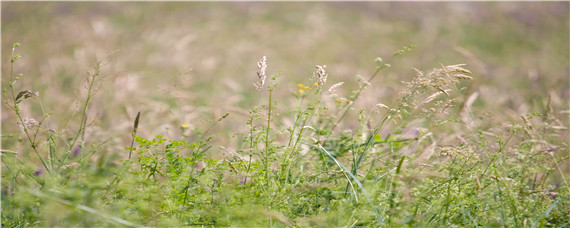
(163, 130)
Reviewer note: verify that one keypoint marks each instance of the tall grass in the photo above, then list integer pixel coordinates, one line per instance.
(417, 162)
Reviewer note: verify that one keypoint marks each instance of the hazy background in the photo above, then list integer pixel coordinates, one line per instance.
(191, 62)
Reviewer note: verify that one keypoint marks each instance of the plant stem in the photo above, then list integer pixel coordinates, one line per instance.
(267, 137)
(19, 114)
(86, 105)
(362, 87)
(134, 135)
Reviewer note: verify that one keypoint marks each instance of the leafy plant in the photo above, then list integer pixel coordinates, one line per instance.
(394, 167)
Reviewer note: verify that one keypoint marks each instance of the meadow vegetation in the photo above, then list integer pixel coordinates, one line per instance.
(285, 114)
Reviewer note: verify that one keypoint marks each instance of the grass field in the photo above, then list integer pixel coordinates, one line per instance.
(255, 114)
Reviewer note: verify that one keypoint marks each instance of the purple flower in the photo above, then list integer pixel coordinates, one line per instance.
(76, 150)
(553, 193)
(244, 180)
(38, 172)
(199, 166)
(6, 191)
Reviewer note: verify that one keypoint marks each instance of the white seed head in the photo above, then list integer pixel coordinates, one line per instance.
(334, 87)
(28, 123)
(320, 76)
(380, 105)
(261, 66)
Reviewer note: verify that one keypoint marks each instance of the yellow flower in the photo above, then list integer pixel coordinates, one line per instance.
(301, 91)
(308, 87)
(184, 125)
(316, 84)
(300, 85)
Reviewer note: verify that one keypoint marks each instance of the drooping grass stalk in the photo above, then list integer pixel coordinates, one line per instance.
(421, 85)
(134, 134)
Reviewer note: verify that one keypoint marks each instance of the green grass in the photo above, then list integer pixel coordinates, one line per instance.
(167, 128)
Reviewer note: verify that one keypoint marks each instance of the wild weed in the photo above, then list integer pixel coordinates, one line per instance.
(425, 160)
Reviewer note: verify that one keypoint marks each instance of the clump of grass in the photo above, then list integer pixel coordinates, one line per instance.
(396, 167)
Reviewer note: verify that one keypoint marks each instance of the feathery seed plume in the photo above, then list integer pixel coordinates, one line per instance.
(320, 76)
(261, 65)
(334, 87)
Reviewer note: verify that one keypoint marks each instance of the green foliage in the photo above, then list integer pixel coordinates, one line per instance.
(313, 172)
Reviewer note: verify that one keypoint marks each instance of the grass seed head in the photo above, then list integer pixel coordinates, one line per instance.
(136, 125)
(320, 76)
(261, 66)
(334, 87)
(29, 123)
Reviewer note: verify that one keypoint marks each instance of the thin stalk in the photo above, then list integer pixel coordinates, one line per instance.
(250, 144)
(202, 143)
(362, 87)
(492, 162)
(347, 172)
(186, 190)
(52, 155)
(76, 206)
(134, 134)
(559, 170)
(379, 126)
(16, 108)
(213, 125)
(299, 136)
(295, 124)
(247, 170)
(309, 118)
(267, 137)
(86, 105)
(393, 193)
(91, 81)
(287, 158)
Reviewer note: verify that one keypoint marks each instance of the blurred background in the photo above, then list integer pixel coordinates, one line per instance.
(192, 62)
